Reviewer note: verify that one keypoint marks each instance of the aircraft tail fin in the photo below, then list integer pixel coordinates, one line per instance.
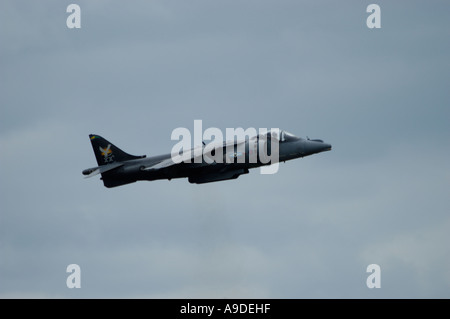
(107, 153)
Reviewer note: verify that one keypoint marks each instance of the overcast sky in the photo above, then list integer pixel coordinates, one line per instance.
(137, 70)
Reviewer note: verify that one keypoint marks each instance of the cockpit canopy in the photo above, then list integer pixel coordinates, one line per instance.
(287, 137)
(282, 136)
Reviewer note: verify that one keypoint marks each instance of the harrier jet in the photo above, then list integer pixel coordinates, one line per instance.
(210, 163)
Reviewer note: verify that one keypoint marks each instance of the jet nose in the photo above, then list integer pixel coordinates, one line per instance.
(313, 147)
(326, 147)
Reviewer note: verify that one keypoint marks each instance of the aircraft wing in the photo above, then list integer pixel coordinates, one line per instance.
(189, 155)
(176, 159)
(165, 163)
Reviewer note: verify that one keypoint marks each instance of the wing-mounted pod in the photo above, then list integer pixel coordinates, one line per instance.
(215, 177)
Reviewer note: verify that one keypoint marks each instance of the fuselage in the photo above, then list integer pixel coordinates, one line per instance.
(288, 150)
(219, 162)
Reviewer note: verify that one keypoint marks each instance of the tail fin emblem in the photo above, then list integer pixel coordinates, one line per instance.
(107, 153)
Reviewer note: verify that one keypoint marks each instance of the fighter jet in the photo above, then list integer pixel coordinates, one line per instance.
(222, 161)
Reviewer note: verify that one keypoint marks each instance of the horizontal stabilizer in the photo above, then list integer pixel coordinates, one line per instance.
(101, 169)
